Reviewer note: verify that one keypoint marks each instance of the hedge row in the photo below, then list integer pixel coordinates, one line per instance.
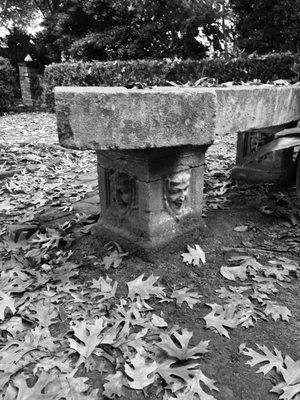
(8, 85)
(159, 72)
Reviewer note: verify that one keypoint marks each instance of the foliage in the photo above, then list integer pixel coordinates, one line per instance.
(264, 26)
(16, 13)
(17, 44)
(131, 29)
(8, 84)
(160, 72)
(19, 13)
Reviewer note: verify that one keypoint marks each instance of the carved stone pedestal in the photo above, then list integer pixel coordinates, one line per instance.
(148, 197)
(274, 167)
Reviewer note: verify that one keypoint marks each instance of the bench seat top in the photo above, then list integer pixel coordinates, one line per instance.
(105, 118)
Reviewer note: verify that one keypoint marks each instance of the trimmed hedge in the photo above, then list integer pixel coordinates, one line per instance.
(159, 72)
(8, 84)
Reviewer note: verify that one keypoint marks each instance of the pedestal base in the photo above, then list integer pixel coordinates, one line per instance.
(150, 249)
(273, 167)
(150, 197)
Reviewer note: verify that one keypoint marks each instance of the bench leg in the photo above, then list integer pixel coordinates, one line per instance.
(274, 167)
(149, 197)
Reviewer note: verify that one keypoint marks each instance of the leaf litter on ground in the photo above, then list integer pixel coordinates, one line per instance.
(45, 292)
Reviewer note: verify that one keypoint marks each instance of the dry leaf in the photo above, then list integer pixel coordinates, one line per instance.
(141, 372)
(181, 351)
(241, 228)
(114, 385)
(194, 255)
(145, 288)
(221, 318)
(184, 295)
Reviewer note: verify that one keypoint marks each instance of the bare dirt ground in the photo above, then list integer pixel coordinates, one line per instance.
(258, 303)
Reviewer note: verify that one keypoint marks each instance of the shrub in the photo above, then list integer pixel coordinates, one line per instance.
(8, 84)
(158, 72)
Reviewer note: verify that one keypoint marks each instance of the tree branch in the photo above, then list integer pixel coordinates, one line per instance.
(5, 5)
(50, 6)
(40, 8)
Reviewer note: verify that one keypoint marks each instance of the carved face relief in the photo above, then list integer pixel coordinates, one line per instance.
(177, 187)
(124, 192)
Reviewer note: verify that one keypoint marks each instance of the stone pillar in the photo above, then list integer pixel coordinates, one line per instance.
(149, 197)
(29, 83)
(273, 167)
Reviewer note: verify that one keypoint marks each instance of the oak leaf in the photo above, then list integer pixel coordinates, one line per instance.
(246, 265)
(158, 321)
(45, 312)
(73, 388)
(194, 389)
(88, 334)
(141, 373)
(181, 352)
(6, 303)
(185, 295)
(114, 259)
(105, 288)
(114, 385)
(132, 342)
(273, 360)
(193, 256)
(276, 311)
(220, 318)
(38, 391)
(174, 374)
(145, 288)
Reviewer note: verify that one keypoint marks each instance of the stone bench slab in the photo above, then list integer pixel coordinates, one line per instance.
(105, 118)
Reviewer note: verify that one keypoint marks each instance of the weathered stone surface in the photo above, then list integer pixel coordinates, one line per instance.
(273, 167)
(146, 163)
(106, 118)
(150, 200)
(242, 108)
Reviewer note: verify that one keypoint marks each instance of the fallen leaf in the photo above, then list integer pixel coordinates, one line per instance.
(145, 288)
(114, 385)
(273, 360)
(241, 228)
(194, 255)
(181, 351)
(185, 295)
(140, 372)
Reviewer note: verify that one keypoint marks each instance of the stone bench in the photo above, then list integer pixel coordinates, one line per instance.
(151, 145)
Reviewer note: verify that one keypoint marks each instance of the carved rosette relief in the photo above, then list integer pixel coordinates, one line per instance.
(176, 192)
(121, 192)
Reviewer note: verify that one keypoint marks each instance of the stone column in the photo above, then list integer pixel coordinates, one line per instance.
(149, 197)
(29, 83)
(274, 167)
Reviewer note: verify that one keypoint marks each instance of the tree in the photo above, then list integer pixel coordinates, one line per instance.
(131, 29)
(17, 44)
(15, 17)
(265, 26)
